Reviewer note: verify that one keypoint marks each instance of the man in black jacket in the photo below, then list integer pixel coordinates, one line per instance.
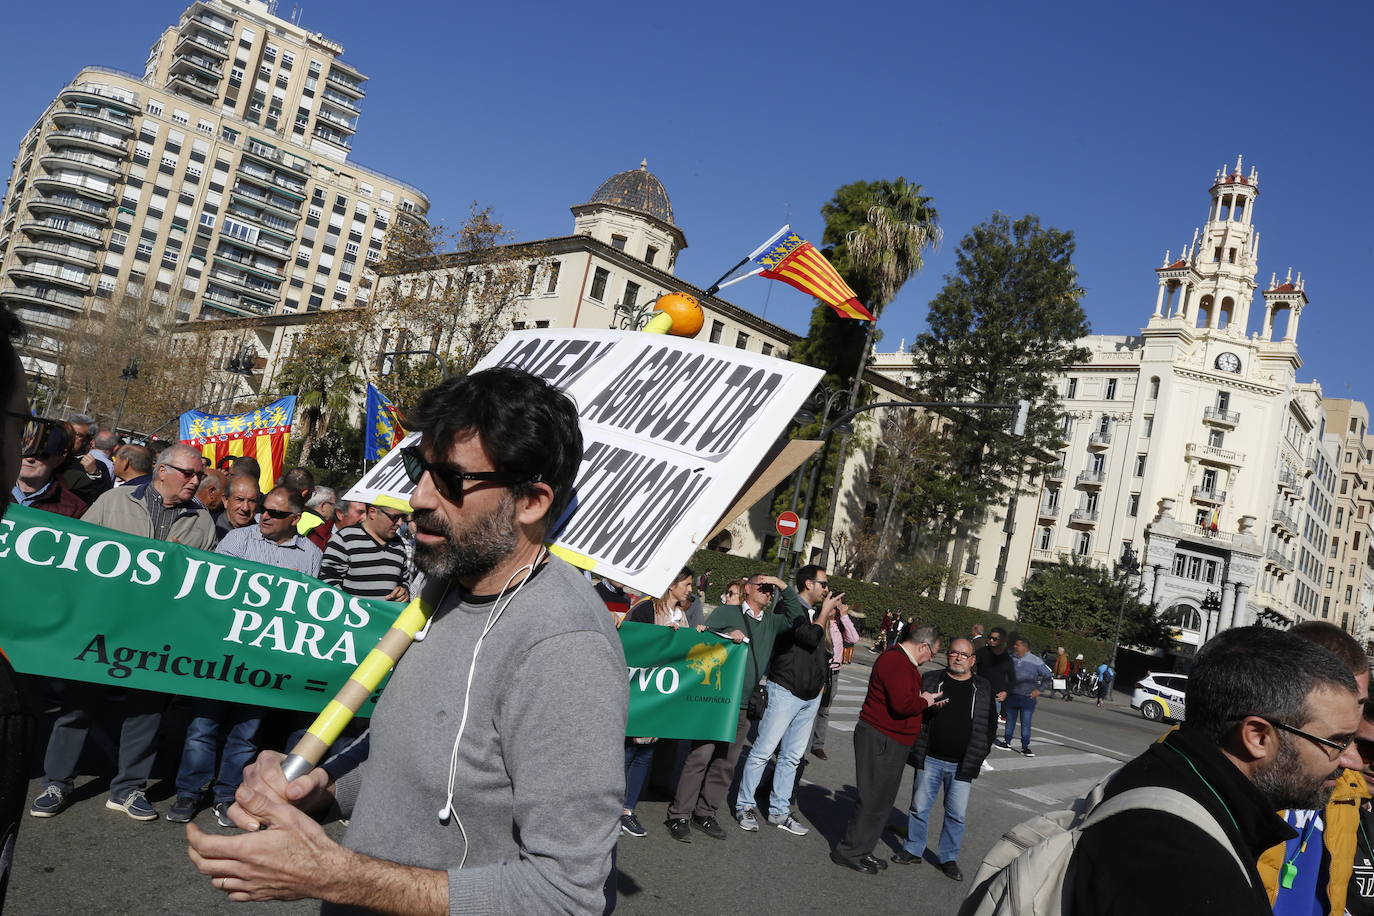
(993, 663)
(948, 754)
(1271, 722)
(796, 677)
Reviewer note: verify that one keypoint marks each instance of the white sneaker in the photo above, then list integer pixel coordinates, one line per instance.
(792, 826)
(746, 820)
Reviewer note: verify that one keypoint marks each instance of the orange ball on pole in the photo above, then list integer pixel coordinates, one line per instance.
(678, 314)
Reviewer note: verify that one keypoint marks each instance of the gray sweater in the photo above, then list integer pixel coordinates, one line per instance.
(540, 777)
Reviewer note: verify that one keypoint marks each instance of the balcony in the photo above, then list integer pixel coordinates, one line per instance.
(261, 198)
(78, 116)
(215, 24)
(1085, 517)
(82, 138)
(348, 84)
(244, 281)
(1218, 417)
(1091, 478)
(50, 275)
(271, 181)
(69, 204)
(1284, 523)
(87, 162)
(335, 98)
(1278, 562)
(264, 268)
(1209, 495)
(342, 124)
(236, 305)
(1288, 481)
(333, 136)
(272, 155)
(1055, 471)
(198, 41)
(101, 191)
(194, 86)
(1048, 510)
(74, 254)
(1100, 438)
(1043, 556)
(264, 243)
(43, 295)
(198, 64)
(1213, 455)
(275, 224)
(98, 95)
(61, 228)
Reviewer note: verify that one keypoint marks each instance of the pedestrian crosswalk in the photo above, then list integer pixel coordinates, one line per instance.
(1060, 771)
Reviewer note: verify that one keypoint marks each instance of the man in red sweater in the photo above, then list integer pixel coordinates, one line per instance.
(889, 722)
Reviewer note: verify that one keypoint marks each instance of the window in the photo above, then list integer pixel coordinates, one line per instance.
(766, 349)
(553, 277)
(717, 328)
(154, 107)
(180, 116)
(650, 254)
(1109, 393)
(741, 340)
(1223, 400)
(599, 280)
(1215, 438)
(631, 293)
(1071, 388)
(618, 242)
(1046, 538)
(1154, 388)
(1209, 480)
(1133, 505)
(1083, 544)
(1201, 518)
(1149, 427)
(1140, 465)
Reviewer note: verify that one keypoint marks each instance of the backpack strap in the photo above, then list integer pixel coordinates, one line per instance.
(1170, 801)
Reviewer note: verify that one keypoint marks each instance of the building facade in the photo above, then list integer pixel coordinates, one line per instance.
(216, 184)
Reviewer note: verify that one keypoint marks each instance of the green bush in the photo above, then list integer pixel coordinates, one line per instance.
(872, 601)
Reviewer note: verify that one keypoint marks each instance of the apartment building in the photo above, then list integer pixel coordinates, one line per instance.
(217, 184)
(1348, 583)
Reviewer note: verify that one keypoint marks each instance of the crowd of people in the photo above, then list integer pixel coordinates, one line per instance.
(1258, 803)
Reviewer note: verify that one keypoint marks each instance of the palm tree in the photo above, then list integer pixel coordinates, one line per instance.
(876, 256)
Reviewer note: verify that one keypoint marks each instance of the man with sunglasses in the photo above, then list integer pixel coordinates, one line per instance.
(229, 730)
(994, 664)
(369, 560)
(38, 484)
(1271, 722)
(495, 775)
(948, 754)
(164, 510)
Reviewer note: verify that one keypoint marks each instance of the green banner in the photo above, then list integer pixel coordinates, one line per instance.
(89, 603)
(683, 684)
(93, 604)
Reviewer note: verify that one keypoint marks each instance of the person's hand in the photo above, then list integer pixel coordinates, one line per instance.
(831, 604)
(293, 859)
(735, 635)
(90, 463)
(1001, 696)
(1034, 693)
(701, 628)
(933, 699)
(399, 593)
(775, 582)
(264, 788)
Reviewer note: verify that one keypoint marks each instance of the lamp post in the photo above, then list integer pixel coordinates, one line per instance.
(632, 316)
(1130, 566)
(1211, 604)
(128, 375)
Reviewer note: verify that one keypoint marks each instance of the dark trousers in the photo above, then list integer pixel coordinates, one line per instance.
(707, 774)
(823, 714)
(16, 734)
(82, 703)
(878, 766)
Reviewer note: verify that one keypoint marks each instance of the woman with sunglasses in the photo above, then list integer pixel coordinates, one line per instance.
(668, 611)
(734, 592)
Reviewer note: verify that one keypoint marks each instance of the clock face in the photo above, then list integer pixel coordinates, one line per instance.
(1228, 362)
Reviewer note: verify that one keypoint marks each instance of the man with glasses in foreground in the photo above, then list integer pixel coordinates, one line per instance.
(495, 776)
(1271, 723)
(164, 510)
(948, 754)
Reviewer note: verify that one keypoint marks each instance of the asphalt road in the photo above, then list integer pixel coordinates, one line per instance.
(92, 860)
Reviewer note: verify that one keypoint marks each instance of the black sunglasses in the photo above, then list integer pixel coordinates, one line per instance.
(279, 513)
(448, 478)
(189, 475)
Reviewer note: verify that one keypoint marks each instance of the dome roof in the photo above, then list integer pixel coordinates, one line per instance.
(638, 190)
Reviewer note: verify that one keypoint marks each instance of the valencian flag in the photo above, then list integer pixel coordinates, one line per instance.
(793, 260)
(384, 428)
(261, 434)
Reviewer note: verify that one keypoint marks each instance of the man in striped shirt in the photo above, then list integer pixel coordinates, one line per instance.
(369, 559)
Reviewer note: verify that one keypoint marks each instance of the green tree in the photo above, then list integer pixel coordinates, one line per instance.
(1078, 596)
(322, 370)
(1002, 328)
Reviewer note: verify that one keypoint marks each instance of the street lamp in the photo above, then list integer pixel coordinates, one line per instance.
(1130, 566)
(632, 316)
(128, 375)
(1211, 604)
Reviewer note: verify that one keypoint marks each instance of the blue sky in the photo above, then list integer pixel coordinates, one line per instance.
(1106, 119)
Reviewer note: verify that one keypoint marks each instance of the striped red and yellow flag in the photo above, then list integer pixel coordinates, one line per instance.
(260, 434)
(796, 262)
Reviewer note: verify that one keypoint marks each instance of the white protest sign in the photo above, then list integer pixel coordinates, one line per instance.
(672, 430)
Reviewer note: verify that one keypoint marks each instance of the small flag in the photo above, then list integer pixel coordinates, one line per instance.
(383, 425)
(262, 434)
(796, 262)
(1215, 521)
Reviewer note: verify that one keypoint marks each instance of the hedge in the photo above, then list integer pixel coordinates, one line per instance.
(872, 601)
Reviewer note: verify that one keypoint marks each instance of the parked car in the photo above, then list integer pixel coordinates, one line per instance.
(1160, 696)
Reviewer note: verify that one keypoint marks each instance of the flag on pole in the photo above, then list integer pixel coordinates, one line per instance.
(384, 428)
(260, 434)
(793, 260)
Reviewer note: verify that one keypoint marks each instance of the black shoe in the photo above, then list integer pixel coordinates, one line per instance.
(902, 857)
(819, 753)
(864, 865)
(678, 829)
(874, 861)
(951, 868)
(709, 826)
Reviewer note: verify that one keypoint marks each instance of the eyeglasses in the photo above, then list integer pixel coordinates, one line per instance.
(823, 583)
(1366, 748)
(393, 518)
(275, 513)
(189, 475)
(952, 654)
(448, 478)
(1337, 745)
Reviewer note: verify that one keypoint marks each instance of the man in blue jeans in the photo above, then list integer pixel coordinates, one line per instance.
(948, 754)
(1029, 673)
(796, 676)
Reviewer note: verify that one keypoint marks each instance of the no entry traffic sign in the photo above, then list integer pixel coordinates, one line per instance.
(787, 524)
